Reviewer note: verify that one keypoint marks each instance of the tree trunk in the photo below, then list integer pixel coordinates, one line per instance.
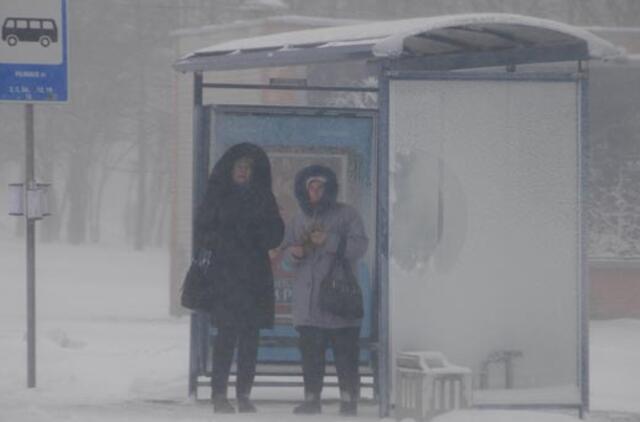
(139, 229)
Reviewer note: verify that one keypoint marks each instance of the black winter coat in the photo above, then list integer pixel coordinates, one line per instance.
(240, 225)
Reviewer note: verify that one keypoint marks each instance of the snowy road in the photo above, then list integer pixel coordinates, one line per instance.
(107, 351)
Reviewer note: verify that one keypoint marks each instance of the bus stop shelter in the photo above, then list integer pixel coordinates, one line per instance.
(470, 175)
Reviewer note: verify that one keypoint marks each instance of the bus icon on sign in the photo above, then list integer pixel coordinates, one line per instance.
(44, 31)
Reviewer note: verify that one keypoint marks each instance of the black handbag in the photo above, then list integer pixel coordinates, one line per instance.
(340, 293)
(197, 292)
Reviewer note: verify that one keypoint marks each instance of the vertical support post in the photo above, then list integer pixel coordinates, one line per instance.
(382, 253)
(583, 154)
(31, 249)
(194, 348)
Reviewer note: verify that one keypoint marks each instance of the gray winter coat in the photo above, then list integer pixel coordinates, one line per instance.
(336, 219)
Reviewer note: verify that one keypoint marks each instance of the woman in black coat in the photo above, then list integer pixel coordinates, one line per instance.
(240, 222)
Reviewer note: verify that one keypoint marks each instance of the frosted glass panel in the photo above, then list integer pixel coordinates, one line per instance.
(484, 242)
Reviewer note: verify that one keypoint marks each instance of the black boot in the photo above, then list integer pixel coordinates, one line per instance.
(349, 408)
(245, 405)
(310, 406)
(222, 405)
(348, 403)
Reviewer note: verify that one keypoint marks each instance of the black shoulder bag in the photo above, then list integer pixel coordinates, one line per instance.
(197, 288)
(340, 293)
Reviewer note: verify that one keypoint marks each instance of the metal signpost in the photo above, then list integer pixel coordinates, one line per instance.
(33, 68)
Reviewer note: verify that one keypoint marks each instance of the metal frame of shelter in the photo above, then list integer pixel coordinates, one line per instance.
(426, 48)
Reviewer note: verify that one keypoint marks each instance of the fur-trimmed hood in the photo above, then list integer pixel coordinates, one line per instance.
(261, 170)
(330, 189)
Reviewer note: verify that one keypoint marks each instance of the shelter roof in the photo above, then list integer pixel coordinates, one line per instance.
(505, 37)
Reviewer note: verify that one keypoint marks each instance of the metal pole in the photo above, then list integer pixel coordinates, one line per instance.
(382, 237)
(195, 357)
(31, 251)
(584, 149)
(291, 87)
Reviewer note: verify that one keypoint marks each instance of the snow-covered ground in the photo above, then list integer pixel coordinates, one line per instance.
(107, 351)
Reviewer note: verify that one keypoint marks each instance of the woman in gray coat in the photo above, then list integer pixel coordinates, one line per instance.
(311, 242)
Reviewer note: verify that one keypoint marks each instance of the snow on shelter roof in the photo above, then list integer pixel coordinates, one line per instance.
(489, 39)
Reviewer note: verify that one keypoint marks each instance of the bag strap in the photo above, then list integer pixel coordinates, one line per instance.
(339, 253)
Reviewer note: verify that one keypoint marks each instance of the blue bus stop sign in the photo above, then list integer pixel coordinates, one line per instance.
(33, 51)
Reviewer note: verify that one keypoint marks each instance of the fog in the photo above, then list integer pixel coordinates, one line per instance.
(118, 156)
(109, 152)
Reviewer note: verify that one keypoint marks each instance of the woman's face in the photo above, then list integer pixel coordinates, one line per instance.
(315, 190)
(242, 170)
